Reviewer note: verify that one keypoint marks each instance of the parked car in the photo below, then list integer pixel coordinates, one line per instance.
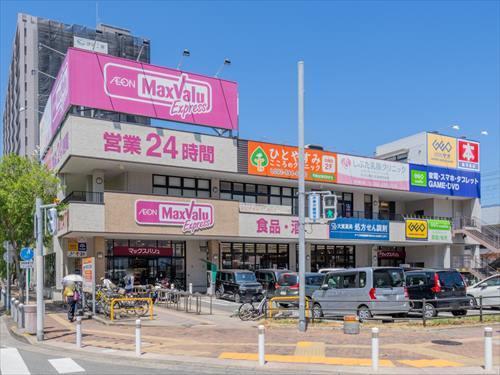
(288, 284)
(363, 291)
(443, 290)
(489, 289)
(326, 270)
(240, 285)
(268, 278)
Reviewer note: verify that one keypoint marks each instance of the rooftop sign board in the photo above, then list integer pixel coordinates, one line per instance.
(111, 83)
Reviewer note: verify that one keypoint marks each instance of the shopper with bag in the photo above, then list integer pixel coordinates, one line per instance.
(72, 296)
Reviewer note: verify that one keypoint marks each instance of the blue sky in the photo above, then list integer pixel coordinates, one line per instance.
(375, 71)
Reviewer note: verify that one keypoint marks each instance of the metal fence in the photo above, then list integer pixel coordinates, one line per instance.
(423, 310)
(184, 301)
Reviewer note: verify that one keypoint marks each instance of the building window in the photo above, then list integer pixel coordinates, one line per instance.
(253, 256)
(332, 256)
(345, 204)
(263, 194)
(368, 206)
(181, 186)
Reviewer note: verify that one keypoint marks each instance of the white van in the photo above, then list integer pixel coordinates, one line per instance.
(364, 291)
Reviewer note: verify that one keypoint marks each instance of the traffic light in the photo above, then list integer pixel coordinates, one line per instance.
(330, 206)
(52, 221)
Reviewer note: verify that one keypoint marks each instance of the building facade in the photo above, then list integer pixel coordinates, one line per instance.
(38, 50)
(158, 202)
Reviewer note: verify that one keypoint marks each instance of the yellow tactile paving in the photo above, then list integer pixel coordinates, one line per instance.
(421, 363)
(310, 349)
(306, 359)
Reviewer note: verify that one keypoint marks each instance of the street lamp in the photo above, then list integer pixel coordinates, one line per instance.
(185, 53)
(226, 62)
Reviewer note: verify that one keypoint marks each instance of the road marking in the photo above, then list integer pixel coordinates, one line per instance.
(310, 349)
(65, 365)
(306, 359)
(420, 363)
(12, 363)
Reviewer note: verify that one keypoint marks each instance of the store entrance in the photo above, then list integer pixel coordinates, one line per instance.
(391, 256)
(147, 261)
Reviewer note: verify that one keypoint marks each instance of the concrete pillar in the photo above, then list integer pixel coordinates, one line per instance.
(100, 255)
(292, 258)
(196, 268)
(447, 256)
(98, 181)
(60, 260)
(374, 256)
(476, 256)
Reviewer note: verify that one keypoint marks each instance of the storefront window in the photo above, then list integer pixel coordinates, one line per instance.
(332, 256)
(391, 256)
(253, 256)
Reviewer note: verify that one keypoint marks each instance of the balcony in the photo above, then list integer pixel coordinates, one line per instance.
(84, 197)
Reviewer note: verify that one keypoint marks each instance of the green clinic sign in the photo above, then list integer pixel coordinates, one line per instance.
(418, 178)
(439, 230)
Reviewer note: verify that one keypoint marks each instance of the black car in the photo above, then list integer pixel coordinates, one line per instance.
(443, 290)
(269, 279)
(240, 285)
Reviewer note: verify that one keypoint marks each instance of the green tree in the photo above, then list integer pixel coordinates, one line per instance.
(22, 179)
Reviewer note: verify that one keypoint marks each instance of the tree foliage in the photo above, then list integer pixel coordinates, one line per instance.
(22, 179)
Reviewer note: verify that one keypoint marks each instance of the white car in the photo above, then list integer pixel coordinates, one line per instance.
(326, 270)
(489, 289)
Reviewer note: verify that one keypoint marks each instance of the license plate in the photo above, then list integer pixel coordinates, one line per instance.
(283, 293)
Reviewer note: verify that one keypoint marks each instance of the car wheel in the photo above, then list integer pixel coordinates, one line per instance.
(430, 311)
(472, 302)
(364, 313)
(459, 312)
(219, 292)
(237, 298)
(317, 311)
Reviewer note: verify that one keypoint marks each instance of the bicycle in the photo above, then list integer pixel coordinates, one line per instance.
(247, 311)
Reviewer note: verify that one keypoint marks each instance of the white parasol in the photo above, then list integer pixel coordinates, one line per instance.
(72, 278)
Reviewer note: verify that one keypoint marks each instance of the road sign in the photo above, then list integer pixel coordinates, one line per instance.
(27, 253)
(8, 257)
(26, 264)
(314, 206)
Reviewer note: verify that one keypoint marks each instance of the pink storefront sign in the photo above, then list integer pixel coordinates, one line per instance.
(105, 82)
(142, 251)
(192, 216)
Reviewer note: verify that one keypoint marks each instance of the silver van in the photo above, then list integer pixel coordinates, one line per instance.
(364, 291)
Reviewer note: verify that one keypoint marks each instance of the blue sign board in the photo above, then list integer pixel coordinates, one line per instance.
(445, 181)
(359, 229)
(27, 253)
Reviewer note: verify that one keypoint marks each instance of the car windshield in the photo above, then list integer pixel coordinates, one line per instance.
(245, 276)
(288, 279)
(388, 278)
(315, 279)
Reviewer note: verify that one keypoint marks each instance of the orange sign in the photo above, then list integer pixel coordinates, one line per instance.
(266, 159)
(88, 274)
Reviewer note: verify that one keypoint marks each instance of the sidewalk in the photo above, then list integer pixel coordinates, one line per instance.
(221, 339)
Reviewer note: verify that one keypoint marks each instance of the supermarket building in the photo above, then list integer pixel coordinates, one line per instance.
(162, 202)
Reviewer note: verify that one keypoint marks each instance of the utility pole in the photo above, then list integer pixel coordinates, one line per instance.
(302, 235)
(39, 269)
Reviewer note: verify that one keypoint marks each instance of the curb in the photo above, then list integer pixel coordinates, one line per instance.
(21, 336)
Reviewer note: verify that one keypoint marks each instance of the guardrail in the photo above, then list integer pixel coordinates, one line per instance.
(131, 307)
(423, 310)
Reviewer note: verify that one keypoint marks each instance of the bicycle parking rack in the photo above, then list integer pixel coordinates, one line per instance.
(115, 300)
(181, 301)
(276, 310)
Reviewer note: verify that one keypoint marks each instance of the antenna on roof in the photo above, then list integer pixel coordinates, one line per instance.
(96, 13)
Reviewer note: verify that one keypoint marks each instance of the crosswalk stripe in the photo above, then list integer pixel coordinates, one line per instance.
(65, 365)
(11, 362)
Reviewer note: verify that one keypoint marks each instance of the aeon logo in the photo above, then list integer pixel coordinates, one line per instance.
(183, 95)
(191, 216)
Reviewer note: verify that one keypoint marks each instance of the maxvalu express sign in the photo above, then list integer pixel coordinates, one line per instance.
(100, 81)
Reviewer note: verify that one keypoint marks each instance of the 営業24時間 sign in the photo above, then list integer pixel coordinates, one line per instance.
(444, 181)
(272, 160)
(100, 81)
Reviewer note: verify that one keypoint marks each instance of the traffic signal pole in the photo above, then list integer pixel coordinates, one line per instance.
(302, 237)
(39, 269)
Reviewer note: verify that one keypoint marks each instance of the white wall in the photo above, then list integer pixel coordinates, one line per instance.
(424, 204)
(443, 207)
(141, 183)
(86, 217)
(363, 255)
(415, 144)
